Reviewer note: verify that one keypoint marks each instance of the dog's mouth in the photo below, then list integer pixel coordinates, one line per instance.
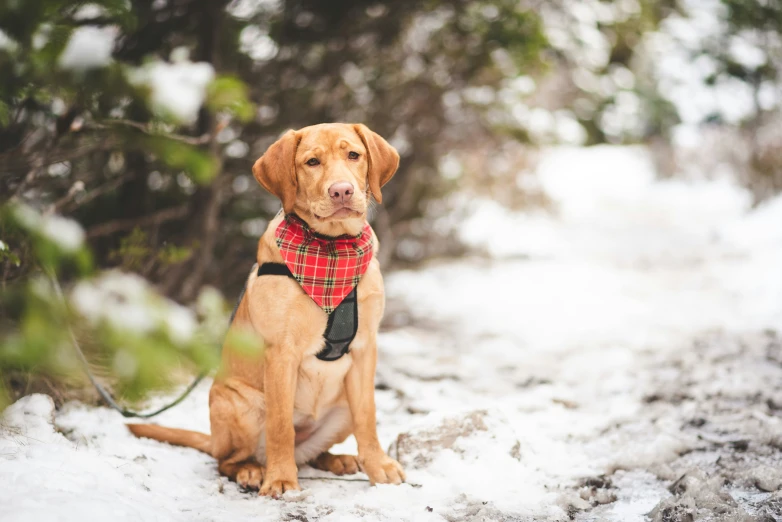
(340, 213)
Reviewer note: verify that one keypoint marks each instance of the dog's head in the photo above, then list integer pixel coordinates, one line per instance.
(325, 173)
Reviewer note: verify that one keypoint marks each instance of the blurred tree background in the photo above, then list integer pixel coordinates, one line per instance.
(128, 129)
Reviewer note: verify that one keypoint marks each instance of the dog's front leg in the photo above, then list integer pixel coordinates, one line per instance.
(360, 388)
(280, 372)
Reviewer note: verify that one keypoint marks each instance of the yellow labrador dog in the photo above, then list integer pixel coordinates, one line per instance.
(269, 414)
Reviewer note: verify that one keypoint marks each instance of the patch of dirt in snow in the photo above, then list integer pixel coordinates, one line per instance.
(416, 449)
(723, 395)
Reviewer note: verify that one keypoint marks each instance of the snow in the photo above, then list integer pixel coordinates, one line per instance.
(684, 70)
(562, 369)
(88, 48)
(6, 42)
(178, 89)
(89, 11)
(127, 302)
(257, 44)
(66, 233)
(245, 9)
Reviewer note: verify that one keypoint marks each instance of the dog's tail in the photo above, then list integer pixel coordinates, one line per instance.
(187, 438)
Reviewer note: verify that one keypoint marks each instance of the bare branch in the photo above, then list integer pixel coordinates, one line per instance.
(15, 160)
(111, 227)
(44, 155)
(70, 206)
(77, 187)
(145, 128)
(98, 20)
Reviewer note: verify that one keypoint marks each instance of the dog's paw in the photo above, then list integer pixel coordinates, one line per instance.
(250, 476)
(275, 486)
(382, 470)
(337, 464)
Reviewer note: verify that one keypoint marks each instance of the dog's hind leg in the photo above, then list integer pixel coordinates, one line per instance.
(337, 464)
(237, 417)
(337, 426)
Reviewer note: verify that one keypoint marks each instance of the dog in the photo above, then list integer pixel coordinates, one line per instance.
(270, 413)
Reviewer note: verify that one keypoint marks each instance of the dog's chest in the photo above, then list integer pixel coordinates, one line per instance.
(320, 385)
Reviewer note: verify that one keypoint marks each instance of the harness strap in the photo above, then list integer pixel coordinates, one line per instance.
(342, 323)
(341, 329)
(280, 269)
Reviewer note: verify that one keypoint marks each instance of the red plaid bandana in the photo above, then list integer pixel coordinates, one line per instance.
(327, 268)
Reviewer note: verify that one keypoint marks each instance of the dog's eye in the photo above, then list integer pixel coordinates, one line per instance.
(313, 162)
(353, 155)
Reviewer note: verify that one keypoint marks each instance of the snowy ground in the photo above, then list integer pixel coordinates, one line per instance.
(616, 359)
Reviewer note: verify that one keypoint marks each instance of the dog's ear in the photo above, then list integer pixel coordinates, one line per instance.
(276, 169)
(383, 159)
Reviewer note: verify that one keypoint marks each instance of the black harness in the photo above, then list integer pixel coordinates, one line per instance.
(342, 324)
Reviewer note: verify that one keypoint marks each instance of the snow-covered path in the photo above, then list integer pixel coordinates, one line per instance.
(591, 359)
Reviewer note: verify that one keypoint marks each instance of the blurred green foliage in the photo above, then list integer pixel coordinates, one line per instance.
(136, 339)
(230, 94)
(135, 251)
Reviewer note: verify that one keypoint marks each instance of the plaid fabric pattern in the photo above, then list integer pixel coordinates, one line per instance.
(327, 268)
